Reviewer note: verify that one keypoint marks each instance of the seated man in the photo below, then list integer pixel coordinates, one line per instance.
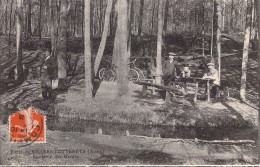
(151, 71)
(212, 74)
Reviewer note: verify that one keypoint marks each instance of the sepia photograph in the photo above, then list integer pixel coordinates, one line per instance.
(129, 82)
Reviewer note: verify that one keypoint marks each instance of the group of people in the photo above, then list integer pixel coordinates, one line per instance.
(171, 71)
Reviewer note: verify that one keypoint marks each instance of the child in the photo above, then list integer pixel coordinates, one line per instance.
(186, 72)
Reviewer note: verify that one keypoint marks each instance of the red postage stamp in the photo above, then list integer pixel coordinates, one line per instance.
(27, 126)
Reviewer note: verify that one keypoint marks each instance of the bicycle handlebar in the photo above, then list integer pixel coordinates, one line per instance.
(132, 62)
(108, 61)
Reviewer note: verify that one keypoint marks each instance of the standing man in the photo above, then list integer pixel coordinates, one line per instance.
(48, 73)
(169, 69)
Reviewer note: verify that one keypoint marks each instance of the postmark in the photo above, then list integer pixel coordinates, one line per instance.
(26, 127)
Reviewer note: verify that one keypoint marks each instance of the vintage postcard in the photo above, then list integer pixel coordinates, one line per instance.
(129, 82)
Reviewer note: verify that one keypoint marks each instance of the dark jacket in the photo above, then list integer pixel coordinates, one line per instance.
(49, 68)
(169, 69)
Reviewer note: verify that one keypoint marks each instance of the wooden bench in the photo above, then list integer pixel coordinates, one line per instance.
(161, 87)
(145, 86)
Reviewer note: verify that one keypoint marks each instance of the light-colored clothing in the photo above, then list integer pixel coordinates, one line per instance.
(213, 74)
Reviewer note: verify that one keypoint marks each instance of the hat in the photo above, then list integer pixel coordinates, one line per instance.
(171, 54)
(210, 64)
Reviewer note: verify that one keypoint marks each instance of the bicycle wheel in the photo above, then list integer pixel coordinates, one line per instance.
(102, 72)
(141, 74)
(133, 75)
(111, 75)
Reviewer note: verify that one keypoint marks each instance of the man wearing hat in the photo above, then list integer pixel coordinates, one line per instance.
(169, 69)
(212, 73)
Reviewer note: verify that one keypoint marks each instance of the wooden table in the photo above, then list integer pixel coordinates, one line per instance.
(197, 80)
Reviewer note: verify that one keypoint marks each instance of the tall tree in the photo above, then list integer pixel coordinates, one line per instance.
(130, 18)
(218, 37)
(159, 44)
(152, 21)
(6, 19)
(40, 20)
(223, 15)
(87, 52)
(203, 27)
(141, 11)
(115, 59)
(61, 45)
(121, 51)
(231, 16)
(82, 23)
(75, 18)
(29, 18)
(212, 32)
(104, 37)
(245, 52)
(19, 41)
(10, 24)
(252, 24)
(257, 5)
(166, 17)
(53, 24)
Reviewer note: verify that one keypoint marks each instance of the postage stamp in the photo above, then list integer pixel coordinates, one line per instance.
(27, 126)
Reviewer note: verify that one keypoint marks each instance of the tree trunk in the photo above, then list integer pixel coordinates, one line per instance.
(159, 44)
(10, 24)
(130, 18)
(112, 16)
(6, 20)
(121, 51)
(29, 18)
(215, 29)
(19, 41)
(231, 16)
(75, 18)
(104, 37)
(165, 17)
(252, 24)
(53, 27)
(87, 52)
(154, 4)
(115, 59)
(203, 29)
(141, 11)
(39, 20)
(100, 17)
(223, 15)
(82, 27)
(245, 52)
(219, 38)
(61, 46)
(257, 5)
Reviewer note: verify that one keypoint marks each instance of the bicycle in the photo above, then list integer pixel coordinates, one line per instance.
(109, 73)
(139, 71)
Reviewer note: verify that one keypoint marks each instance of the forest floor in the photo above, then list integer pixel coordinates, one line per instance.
(134, 109)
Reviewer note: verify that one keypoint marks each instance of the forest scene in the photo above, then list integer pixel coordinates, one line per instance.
(141, 82)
